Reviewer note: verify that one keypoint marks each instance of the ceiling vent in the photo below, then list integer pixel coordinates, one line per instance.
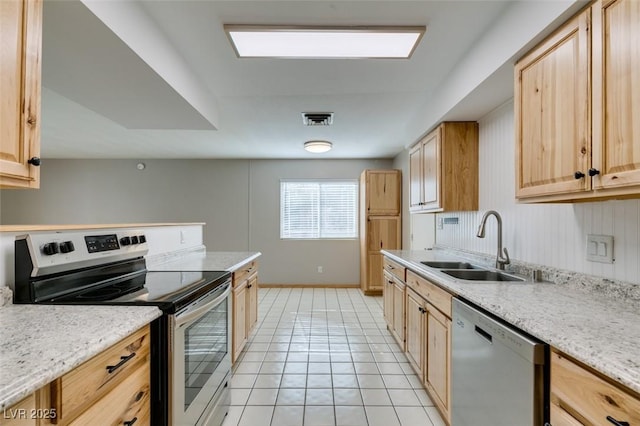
(317, 118)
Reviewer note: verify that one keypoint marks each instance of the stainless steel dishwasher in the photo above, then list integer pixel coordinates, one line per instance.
(499, 375)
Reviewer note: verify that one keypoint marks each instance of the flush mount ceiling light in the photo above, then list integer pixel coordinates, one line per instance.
(318, 147)
(259, 41)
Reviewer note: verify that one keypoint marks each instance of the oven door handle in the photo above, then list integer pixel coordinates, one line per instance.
(196, 312)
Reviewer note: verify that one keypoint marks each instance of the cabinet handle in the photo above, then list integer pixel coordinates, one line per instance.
(578, 175)
(123, 360)
(421, 309)
(34, 161)
(249, 286)
(617, 422)
(130, 422)
(593, 172)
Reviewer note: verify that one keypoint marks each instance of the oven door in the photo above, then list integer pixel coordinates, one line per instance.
(201, 360)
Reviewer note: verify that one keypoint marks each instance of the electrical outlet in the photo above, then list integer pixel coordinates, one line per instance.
(600, 248)
(320, 269)
(440, 223)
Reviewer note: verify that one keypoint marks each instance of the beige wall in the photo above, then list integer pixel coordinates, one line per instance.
(238, 199)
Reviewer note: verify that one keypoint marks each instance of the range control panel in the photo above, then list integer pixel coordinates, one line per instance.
(60, 251)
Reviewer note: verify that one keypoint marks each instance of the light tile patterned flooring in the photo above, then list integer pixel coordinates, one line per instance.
(325, 357)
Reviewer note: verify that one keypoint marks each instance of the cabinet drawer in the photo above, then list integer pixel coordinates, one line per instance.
(588, 397)
(438, 297)
(243, 272)
(77, 390)
(129, 401)
(394, 268)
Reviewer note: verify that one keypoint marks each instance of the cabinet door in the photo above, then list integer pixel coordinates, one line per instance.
(383, 192)
(616, 93)
(438, 357)
(21, 34)
(415, 332)
(415, 178)
(252, 303)
(383, 232)
(387, 299)
(398, 312)
(431, 171)
(239, 319)
(552, 107)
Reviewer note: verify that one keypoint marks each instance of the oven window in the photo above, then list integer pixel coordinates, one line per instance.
(206, 344)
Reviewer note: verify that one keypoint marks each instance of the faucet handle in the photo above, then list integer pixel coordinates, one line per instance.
(505, 260)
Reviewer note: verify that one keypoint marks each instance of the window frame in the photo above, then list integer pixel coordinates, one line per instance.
(320, 181)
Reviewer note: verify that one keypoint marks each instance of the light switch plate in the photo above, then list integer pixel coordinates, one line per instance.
(600, 248)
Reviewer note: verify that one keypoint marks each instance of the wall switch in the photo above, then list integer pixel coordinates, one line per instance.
(600, 248)
(320, 269)
(439, 223)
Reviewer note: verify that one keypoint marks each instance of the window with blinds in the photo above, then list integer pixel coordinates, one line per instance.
(318, 209)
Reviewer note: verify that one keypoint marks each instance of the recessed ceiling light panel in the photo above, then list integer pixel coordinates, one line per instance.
(251, 41)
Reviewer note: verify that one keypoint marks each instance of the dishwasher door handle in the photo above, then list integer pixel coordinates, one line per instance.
(484, 334)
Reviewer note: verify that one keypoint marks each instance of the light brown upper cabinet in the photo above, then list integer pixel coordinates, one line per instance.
(383, 192)
(443, 169)
(21, 34)
(575, 96)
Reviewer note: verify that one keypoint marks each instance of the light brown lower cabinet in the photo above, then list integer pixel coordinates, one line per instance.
(112, 388)
(244, 298)
(22, 413)
(427, 345)
(415, 344)
(581, 396)
(438, 363)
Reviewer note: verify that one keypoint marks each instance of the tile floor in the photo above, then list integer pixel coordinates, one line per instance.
(325, 357)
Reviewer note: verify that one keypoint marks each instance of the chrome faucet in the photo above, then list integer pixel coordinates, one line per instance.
(500, 261)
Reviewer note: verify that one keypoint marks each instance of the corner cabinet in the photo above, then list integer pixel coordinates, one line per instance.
(20, 71)
(380, 224)
(443, 169)
(244, 298)
(575, 98)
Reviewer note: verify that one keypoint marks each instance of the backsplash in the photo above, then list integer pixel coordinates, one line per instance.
(545, 234)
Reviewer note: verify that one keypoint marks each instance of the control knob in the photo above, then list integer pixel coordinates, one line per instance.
(125, 241)
(134, 239)
(142, 239)
(67, 247)
(50, 248)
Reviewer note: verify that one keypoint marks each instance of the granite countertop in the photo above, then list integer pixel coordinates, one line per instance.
(206, 261)
(39, 343)
(598, 330)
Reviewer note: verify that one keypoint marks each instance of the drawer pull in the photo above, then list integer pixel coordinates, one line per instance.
(123, 360)
(130, 422)
(617, 422)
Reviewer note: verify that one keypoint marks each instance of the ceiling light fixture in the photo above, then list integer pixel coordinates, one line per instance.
(318, 147)
(264, 41)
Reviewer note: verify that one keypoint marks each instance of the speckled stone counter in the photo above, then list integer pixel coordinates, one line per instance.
(596, 329)
(39, 343)
(206, 261)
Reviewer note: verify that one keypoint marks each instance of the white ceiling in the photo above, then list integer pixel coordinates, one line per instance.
(106, 95)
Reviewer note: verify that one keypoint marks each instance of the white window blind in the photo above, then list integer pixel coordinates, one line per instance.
(318, 209)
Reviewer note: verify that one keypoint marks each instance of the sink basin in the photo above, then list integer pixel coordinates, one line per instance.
(481, 275)
(450, 265)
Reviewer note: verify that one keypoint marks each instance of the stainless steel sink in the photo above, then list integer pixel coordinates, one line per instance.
(450, 265)
(481, 275)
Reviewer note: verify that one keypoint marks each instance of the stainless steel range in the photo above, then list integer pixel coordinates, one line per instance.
(190, 344)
